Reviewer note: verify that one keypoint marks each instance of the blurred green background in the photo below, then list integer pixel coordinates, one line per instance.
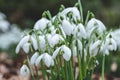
(26, 12)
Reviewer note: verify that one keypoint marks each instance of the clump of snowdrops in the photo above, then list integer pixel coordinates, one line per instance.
(57, 45)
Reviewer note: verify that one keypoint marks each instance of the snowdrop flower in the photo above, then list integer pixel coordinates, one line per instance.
(41, 24)
(42, 43)
(103, 49)
(47, 59)
(25, 44)
(80, 31)
(24, 70)
(33, 58)
(95, 24)
(74, 10)
(79, 45)
(66, 52)
(67, 27)
(54, 39)
(74, 50)
(116, 36)
(74, 47)
(26, 47)
(111, 44)
(93, 49)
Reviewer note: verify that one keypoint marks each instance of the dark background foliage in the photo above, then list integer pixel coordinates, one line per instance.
(26, 12)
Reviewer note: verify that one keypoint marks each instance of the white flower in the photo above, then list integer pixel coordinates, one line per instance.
(41, 24)
(33, 58)
(47, 59)
(67, 27)
(34, 42)
(80, 31)
(22, 42)
(116, 36)
(55, 53)
(79, 45)
(42, 43)
(103, 49)
(74, 10)
(74, 50)
(93, 48)
(66, 52)
(74, 47)
(38, 60)
(24, 70)
(54, 39)
(26, 47)
(99, 26)
(111, 44)
(25, 44)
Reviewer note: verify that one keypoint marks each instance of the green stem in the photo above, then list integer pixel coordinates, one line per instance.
(36, 72)
(71, 70)
(43, 71)
(103, 65)
(52, 76)
(81, 10)
(88, 15)
(79, 63)
(30, 68)
(66, 70)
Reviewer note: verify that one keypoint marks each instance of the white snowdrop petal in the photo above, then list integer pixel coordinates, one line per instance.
(24, 40)
(17, 48)
(94, 47)
(55, 53)
(33, 58)
(41, 24)
(95, 44)
(74, 51)
(26, 47)
(96, 23)
(111, 44)
(55, 40)
(42, 42)
(74, 10)
(114, 44)
(38, 60)
(47, 59)
(101, 27)
(24, 70)
(79, 45)
(67, 52)
(49, 36)
(34, 43)
(82, 30)
(67, 27)
(89, 32)
(106, 52)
